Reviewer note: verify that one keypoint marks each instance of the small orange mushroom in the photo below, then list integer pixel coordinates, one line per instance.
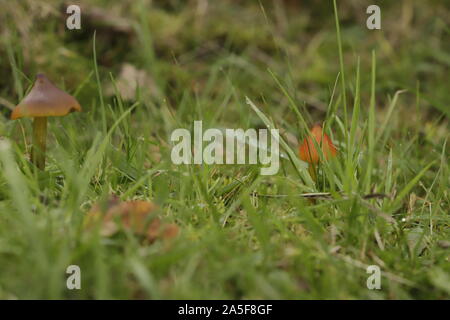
(44, 100)
(308, 151)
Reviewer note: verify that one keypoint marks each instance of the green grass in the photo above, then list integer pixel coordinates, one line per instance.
(382, 95)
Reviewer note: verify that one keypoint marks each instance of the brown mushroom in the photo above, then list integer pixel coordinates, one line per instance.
(44, 100)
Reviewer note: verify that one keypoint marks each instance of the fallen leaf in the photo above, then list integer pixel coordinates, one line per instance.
(129, 80)
(137, 216)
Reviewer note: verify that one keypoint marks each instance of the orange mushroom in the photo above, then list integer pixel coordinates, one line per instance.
(44, 100)
(308, 151)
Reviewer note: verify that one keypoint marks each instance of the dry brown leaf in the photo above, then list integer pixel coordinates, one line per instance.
(129, 79)
(136, 216)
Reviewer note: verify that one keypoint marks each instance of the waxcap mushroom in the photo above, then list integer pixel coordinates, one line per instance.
(308, 151)
(45, 100)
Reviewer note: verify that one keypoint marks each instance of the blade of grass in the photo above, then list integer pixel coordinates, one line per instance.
(99, 86)
(298, 164)
(18, 187)
(341, 62)
(397, 201)
(371, 129)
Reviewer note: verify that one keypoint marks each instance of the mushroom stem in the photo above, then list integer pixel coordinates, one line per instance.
(39, 142)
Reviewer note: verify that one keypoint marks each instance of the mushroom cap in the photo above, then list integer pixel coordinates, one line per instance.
(45, 100)
(308, 151)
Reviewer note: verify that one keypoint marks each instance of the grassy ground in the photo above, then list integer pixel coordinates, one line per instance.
(383, 96)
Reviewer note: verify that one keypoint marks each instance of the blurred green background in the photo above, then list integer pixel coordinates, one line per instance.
(171, 46)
